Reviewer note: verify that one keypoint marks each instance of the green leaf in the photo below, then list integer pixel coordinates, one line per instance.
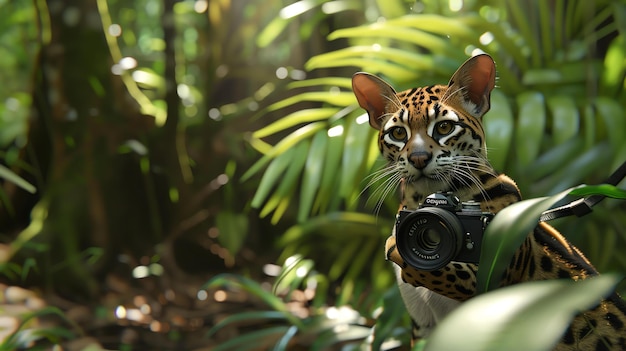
(589, 125)
(530, 126)
(312, 174)
(247, 317)
(434, 43)
(277, 26)
(272, 176)
(287, 182)
(351, 333)
(295, 118)
(407, 59)
(331, 170)
(602, 189)
(447, 26)
(528, 316)
(614, 69)
(394, 70)
(576, 170)
(391, 316)
(233, 229)
(565, 118)
(341, 82)
(254, 288)
(285, 144)
(283, 343)
(12, 177)
(254, 340)
(290, 264)
(498, 124)
(338, 98)
(354, 152)
(614, 117)
(505, 234)
(555, 159)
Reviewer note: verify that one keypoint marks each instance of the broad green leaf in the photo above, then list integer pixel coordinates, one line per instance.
(603, 189)
(326, 341)
(295, 118)
(540, 76)
(290, 264)
(272, 176)
(291, 177)
(264, 316)
(352, 163)
(565, 118)
(332, 224)
(344, 261)
(12, 177)
(399, 57)
(434, 43)
(585, 164)
(313, 170)
(28, 333)
(331, 171)
(283, 342)
(620, 156)
(505, 234)
(547, 32)
(391, 8)
(341, 82)
(569, 72)
(589, 125)
(361, 261)
(293, 278)
(453, 27)
(286, 181)
(233, 281)
(254, 340)
(498, 124)
(333, 98)
(614, 68)
(233, 229)
(285, 16)
(528, 316)
(391, 316)
(393, 70)
(530, 126)
(614, 117)
(555, 159)
(286, 144)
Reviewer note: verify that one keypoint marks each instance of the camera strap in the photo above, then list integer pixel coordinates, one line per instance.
(583, 206)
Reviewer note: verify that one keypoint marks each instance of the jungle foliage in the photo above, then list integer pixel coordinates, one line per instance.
(184, 139)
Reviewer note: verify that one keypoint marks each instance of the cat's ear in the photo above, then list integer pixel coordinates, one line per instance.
(472, 84)
(374, 96)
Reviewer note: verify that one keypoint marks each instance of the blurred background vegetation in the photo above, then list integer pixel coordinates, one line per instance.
(194, 174)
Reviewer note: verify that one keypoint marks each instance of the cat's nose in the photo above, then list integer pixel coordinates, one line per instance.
(420, 159)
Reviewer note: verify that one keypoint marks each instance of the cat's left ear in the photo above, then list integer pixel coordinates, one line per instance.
(374, 96)
(472, 84)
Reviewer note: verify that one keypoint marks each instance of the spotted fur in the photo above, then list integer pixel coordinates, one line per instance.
(434, 141)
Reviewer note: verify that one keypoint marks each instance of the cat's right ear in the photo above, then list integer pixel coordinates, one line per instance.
(374, 96)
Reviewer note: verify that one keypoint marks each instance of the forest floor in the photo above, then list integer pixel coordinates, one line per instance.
(152, 313)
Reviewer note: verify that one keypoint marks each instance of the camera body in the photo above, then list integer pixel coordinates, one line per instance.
(441, 230)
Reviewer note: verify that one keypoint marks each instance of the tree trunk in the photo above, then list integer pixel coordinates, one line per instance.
(95, 201)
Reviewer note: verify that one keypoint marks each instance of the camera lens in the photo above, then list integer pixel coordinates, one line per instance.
(429, 238)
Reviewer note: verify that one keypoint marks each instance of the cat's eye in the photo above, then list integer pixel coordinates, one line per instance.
(444, 128)
(398, 133)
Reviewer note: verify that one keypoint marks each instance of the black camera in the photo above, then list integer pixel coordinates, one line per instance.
(441, 230)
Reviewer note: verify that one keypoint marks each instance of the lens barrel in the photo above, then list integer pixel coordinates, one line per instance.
(429, 238)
